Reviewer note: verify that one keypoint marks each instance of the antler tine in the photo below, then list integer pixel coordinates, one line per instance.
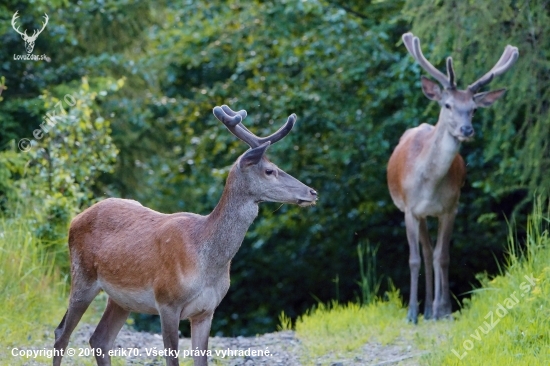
(413, 46)
(231, 112)
(278, 135)
(426, 65)
(233, 121)
(451, 73)
(281, 132)
(226, 119)
(233, 124)
(506, 61)
(407, 41)
(243, 114)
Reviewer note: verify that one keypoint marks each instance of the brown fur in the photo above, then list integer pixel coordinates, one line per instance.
(414, 145)
(101, 251)
(174, 265)
(425, 173)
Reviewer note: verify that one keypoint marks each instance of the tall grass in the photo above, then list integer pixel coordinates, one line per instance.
(369, 282)
(505, 322)
(32, 291)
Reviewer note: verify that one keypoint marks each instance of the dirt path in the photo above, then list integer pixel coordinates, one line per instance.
(279, 348)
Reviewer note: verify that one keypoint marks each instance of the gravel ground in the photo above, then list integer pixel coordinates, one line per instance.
(284, 349)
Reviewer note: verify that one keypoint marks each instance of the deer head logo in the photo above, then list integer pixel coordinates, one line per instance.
(29, 40)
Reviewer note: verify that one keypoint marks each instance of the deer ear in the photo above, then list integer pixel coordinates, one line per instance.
(431, 89)
(486, 99)
(253, 156)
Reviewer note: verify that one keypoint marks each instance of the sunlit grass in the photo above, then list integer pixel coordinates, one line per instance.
(32, 292)
(519, 333)
(337, 329)
(521, 336)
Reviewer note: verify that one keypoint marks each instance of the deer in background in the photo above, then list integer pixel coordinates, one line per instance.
(425, 173)
(173, 265)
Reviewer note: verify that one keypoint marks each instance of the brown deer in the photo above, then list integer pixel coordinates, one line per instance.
(174, 265)
(29, 40)
(426, 172)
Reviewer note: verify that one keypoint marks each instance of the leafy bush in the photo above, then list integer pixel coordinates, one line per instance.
(66, 155)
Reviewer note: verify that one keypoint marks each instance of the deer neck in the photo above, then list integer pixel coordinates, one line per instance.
(439, 152)
(227, 224)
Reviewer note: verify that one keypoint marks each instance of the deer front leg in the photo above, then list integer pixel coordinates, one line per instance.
(200, 331)
(169, 322)
(442, 301)
(412, 225)
(427, 253)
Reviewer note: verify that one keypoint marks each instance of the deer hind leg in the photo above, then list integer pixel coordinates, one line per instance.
(427, 253)
(105, 334)
(442, 301)
(412, 225)
(200, 331)
(80, 298)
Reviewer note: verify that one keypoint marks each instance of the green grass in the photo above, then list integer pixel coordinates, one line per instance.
(32, 291)
(520, 337)
(34, 294)
(339, 329)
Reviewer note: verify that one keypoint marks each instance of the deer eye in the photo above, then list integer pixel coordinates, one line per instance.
(447, 105)
(269, 171)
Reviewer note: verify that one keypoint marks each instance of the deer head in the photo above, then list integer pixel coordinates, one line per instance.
(458, 106)
(29, 40)
(256, 175)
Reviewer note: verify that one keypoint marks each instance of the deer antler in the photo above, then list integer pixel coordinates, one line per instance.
(506, 61)
(413, 46)
(232, 120)
(13, 19)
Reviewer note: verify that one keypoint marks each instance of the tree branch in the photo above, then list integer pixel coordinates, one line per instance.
(349, 10)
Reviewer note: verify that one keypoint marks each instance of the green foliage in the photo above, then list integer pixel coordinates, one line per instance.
(514, 135)
(2, 86)
(31, 288)
(12, 165)
(67, 153)
(324, 64)
(369, 282)
(520, 334)
(338, 65)
(285, 323)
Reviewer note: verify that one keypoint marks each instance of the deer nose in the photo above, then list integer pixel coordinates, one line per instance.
(467, 130)
(313, 192)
